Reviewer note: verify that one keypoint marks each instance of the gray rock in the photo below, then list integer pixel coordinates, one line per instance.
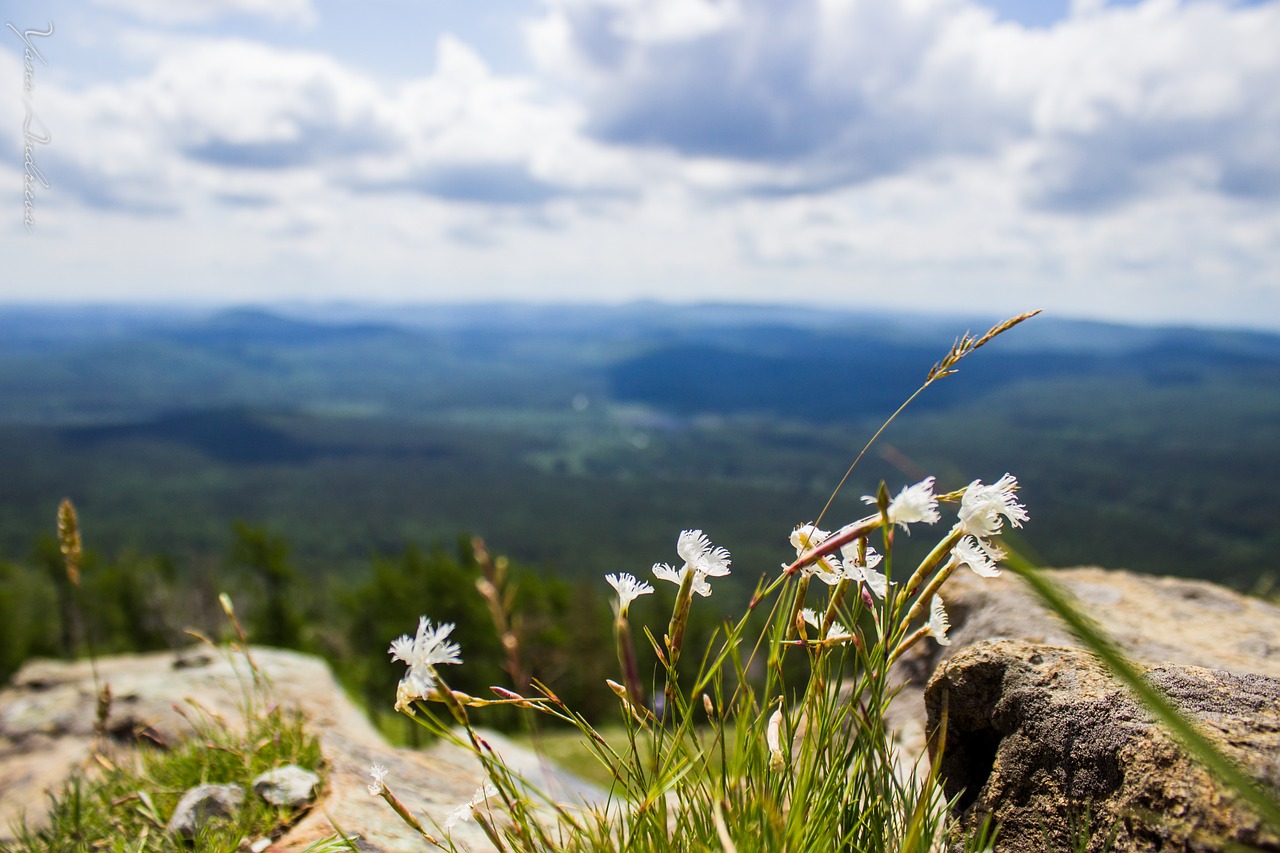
(1042, 739)
(202, 804)
(47, 720)
(290, 787)
(1153, 620)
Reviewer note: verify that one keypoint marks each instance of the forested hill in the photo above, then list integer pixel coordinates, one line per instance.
(354, 429)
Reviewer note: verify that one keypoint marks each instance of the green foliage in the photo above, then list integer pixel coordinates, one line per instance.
(276, 620)
(558, 632)
(27, 598)
(125, 605)
(387, 605)
(67, 616)
(128, 603)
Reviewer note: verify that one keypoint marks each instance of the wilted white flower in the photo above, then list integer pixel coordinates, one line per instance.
(913, 504)
(406, 695)
(428, 648)
(463, 812)
(700, 558)
(378, 772)
(982, 506)
(938, 621)
(977, 554)
(835, 631)
(853, 568)
(869, 560)
(773, 738)
(628, 588)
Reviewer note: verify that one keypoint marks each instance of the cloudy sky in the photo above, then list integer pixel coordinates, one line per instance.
(1097, 159)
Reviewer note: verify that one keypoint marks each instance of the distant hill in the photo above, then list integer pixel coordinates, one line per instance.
(359, 427)
(242, 327)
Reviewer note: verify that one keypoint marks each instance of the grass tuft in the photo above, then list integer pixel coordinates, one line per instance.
(123, 799)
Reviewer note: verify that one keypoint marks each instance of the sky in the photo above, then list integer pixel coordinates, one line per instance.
(1108, 160)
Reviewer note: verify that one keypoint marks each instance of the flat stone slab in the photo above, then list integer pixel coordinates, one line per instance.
(47, 732)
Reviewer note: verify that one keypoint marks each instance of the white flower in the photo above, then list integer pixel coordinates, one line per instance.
(938, 621)
(773, 738)
(464, 811)
(696, 550)
(628, 588)
(875, 580)
(663, 572)
(429, 648)
(378, 772)
(977, 554)
(913, 504)
(700, 558)
(806, 537)
(982, 506)
(835, 631)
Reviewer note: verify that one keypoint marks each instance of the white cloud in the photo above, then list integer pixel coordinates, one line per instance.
(249, 124)
(1160, 97)
(847, 88)
(862, 152)
(210, 117)
(465, 125)
(1119, 102)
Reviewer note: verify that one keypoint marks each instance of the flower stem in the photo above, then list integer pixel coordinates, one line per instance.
(627, 660)
(679, 618)
(930, 591)
(928, 563)
(404, 814)
(837, 598)
(915, 637)
(675, 633)
(797, 605)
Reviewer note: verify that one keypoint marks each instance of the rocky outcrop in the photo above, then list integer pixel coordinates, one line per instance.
(1046, 741)
(47, 717)
(1173, 625)
(1152, 619)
